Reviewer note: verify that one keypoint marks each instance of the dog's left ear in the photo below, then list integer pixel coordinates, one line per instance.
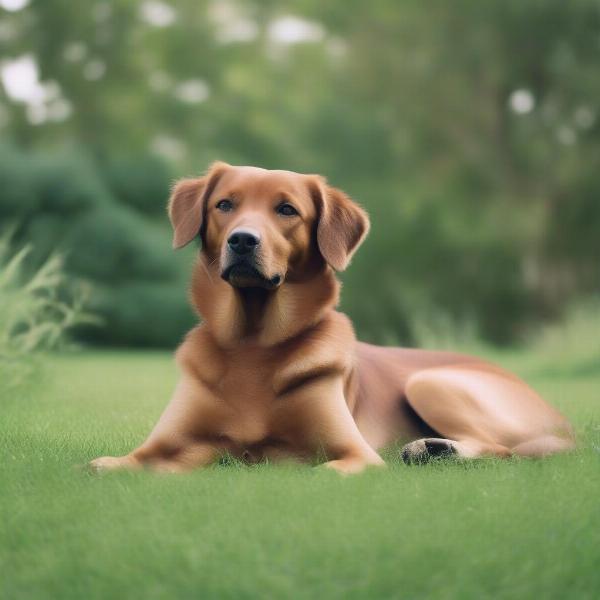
(342, 224)
(187, 204)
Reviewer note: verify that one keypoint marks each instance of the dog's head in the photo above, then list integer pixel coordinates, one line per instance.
(264, 227)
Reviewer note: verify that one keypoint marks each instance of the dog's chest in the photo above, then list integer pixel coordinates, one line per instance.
(258, 392)
(246, 388)
(247, 376)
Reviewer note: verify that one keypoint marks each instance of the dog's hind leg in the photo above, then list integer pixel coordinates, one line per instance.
(481, 412)
(543, 446)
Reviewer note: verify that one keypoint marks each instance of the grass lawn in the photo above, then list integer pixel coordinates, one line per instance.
(487, 529)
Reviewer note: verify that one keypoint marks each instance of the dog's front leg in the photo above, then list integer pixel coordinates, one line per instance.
(322, 418)
(158, 457)
(181, 440)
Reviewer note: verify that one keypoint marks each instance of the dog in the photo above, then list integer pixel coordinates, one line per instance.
(274, 372)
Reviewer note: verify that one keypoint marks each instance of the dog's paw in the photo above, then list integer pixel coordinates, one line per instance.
(351, 466)
(424, 450)
(109, 463)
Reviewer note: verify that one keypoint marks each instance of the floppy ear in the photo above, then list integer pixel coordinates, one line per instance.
(342, 224)
(187, 204)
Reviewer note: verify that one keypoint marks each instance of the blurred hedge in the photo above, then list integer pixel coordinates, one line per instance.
(61, 203)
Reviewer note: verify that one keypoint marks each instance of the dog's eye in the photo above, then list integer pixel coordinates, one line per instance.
(224, 205)
(286, 209)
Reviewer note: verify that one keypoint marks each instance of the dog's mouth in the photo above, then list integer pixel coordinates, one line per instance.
(245, 275)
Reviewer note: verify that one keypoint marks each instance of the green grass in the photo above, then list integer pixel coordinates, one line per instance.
(487, 529)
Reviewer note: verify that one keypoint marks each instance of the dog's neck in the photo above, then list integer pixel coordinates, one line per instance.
(267, 317)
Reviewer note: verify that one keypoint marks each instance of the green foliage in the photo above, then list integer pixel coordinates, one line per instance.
(37, 310)
(62, 204)
(140, 182)
(571, 346)
(470, 131)
(142, 313)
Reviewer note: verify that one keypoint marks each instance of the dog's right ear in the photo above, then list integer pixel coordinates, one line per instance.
(188, 201)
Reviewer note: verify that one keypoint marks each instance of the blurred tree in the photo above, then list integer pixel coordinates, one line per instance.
(469, 130)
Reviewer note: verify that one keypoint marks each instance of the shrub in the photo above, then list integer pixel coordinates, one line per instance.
(142, 183)
(37, 309)
(65, 203)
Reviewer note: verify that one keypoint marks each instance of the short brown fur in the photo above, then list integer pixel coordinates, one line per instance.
(274, 372)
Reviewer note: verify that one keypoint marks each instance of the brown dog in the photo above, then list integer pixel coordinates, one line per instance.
(274, 372)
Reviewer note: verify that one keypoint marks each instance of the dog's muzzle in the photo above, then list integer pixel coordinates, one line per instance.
(242, 274)
(243, 267)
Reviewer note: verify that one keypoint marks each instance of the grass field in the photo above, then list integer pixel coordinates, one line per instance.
(487, 529)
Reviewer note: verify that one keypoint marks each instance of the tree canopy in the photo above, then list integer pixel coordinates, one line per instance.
(469, 130)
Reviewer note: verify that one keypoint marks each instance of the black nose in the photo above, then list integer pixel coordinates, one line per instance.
(242, 242)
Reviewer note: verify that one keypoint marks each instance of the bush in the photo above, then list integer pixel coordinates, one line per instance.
(152, 314)
(37, 310)
(63, 204)
(141, 183)
(423, 261)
